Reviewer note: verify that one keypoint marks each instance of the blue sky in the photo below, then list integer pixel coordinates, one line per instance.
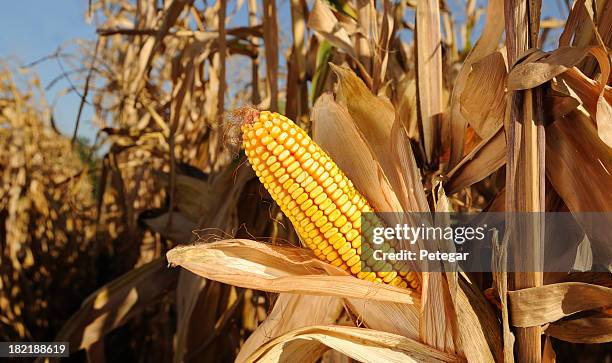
(32, 29)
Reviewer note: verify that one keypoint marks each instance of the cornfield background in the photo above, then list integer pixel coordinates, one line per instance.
(490, 107)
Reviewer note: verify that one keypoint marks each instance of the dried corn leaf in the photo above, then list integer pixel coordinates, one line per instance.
(374, 126)
(271, 268)
(292, 312)
(483, 101)
(409, 185)
(540, 305)
(487, 44)
(322, 20)
(360, 344)
(488, 156)
(570, 166)
(429, 72)
(479, 330)
(595, 329)
(401, 319)
(535, 72)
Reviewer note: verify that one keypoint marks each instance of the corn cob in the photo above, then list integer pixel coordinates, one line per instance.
(321, 202)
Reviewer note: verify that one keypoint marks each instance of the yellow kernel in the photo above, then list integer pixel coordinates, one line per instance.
(275, 131)
(307, 163)
(290, 160)
(278, 173)
(311, 210)
(302, 198)
(337, 262)
(309, 228)
(316, 192)
(334, 215)
(312, 168)
(338, 242)
(336, 237)
(299, 216)
(332, 255)
(321, 221)
(296, 193)
(293, 166)
(271, 160)
(335, 195)
(346, 227)
(340, 222)
(352, 234)
(266, 139)
(325, 203)
(352, 262)
(275, 166)
(278, 149)
(303, 175)
(284, 155)
(329, 209)
(356, 243)
(390, 277)
(326, 227)
(318, 214)
(331, 188)
(345, 248)
(320, 198)
(307, 204)
(348, 254)
(310, 186)
(284, 178)
(330, 232)
(327, 182)
(292, 187)
(370, 277)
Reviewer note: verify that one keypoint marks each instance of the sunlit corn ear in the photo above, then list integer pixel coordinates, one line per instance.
(321, 202)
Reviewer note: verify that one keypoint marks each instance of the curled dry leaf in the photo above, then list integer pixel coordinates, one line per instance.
(363, 345)
(291, 312)
(534, 72)
(487, 44)
(540, 305)
(429, 72)
(374, 126)
(402, 319)
(594, 95)
(488, 156)
(483, 101)
(590, 330)
(322, 20)
(575, 158)
(271, 268)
